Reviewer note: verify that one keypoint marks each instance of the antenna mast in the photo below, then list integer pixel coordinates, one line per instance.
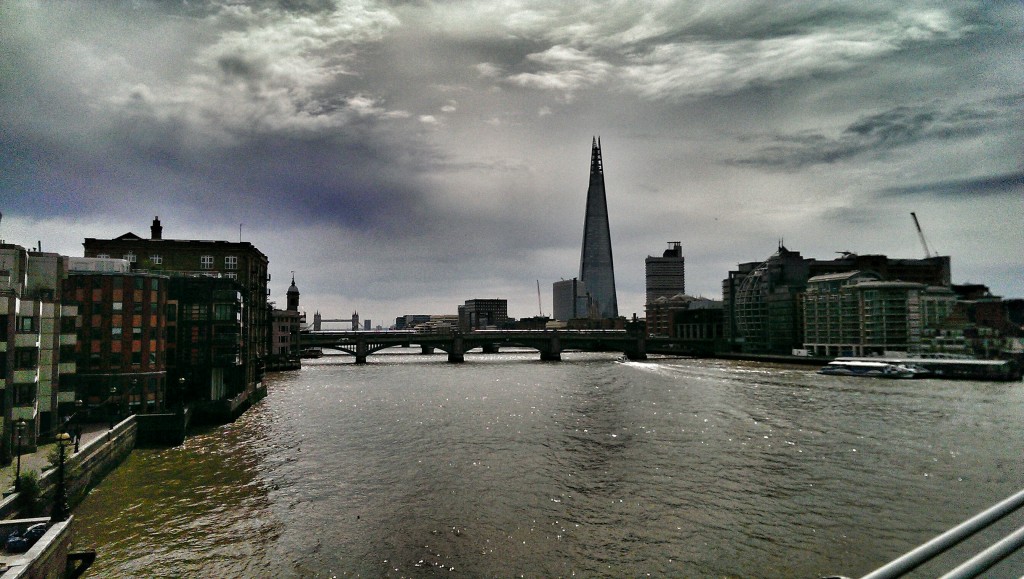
(540, 309)
(924, 244)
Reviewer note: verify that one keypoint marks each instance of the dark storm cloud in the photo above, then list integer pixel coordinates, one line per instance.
(1012, 183)
(877, 134)
(449, 141)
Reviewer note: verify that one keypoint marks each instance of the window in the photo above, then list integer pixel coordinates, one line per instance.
(231, 262)
(25, 358)
(118, 306)
(231, 275)
(223, 312)
(115, 332)
(139, 283)
(156, 259)
(137, 333)
(206, 262)
(195, 312)
(67, 353)
(103, 255)
(24, 394)
(26, 324)
(136, 357)
(67, 324)
(137, 308)
(130, 256)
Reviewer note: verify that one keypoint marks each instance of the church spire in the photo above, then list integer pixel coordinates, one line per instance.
(293, 295)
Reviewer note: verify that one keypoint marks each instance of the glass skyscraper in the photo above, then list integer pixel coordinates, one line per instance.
(596, 270)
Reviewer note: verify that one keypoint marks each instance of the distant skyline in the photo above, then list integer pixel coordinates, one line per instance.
(403, 157)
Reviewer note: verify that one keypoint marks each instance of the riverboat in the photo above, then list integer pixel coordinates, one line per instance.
(867, 369)
(308, 353)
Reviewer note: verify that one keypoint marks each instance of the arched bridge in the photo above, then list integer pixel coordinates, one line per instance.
(550, 343)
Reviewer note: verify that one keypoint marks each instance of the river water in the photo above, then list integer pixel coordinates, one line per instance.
(506, 466)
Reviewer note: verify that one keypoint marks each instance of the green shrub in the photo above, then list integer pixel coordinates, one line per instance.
(28, 494)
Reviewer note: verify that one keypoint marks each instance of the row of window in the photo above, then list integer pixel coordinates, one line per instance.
(116, 359)
(205, 261)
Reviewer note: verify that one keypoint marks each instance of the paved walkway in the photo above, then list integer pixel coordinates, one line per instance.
(39, 461)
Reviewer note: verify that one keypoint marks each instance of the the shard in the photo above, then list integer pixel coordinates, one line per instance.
(596, 270)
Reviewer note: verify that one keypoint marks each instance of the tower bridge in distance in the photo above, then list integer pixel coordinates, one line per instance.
(550, 343)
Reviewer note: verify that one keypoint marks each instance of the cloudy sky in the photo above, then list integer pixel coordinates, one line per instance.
(404, 156)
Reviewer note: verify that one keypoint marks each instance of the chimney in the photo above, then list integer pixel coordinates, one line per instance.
(156, 231)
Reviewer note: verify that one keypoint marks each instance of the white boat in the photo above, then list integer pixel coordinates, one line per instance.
(867, 369)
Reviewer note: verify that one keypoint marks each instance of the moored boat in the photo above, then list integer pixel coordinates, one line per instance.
(867, 369)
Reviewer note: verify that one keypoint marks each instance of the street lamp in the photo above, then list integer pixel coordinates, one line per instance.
(60, 496)
(134, 392)
(78, 424)
(181, 394)
(113, 405)
(19, 427)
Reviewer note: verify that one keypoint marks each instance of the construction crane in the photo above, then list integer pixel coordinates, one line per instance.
(924, 244)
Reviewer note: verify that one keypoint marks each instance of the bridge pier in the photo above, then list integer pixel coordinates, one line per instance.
(361, 351)
(553, 351)
(425, 350)
(457, 353)
(489, 348)
(638, 349)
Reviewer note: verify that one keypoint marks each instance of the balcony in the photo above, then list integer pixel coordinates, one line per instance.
(225, 359)
(27, 340)
(26, 376)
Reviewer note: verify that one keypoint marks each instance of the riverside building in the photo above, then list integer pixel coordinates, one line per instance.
(286, 326)
(37, 342)
(763, 301)
(241, 267)
(856, 314)
(121, 350)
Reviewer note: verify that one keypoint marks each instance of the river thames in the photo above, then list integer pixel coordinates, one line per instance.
(506, 466)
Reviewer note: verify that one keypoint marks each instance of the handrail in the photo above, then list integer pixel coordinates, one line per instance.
(989, 557)
(942, 543)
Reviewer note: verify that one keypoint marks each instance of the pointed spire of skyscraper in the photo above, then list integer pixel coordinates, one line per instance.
(596, 269)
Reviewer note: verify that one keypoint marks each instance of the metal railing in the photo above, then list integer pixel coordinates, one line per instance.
(974, 566)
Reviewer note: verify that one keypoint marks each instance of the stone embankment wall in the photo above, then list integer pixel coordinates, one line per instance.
(47, 558)
(82, 469)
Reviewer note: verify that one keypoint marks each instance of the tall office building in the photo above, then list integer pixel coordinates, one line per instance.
(666, 275)
(597, 273)
(569, 300)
